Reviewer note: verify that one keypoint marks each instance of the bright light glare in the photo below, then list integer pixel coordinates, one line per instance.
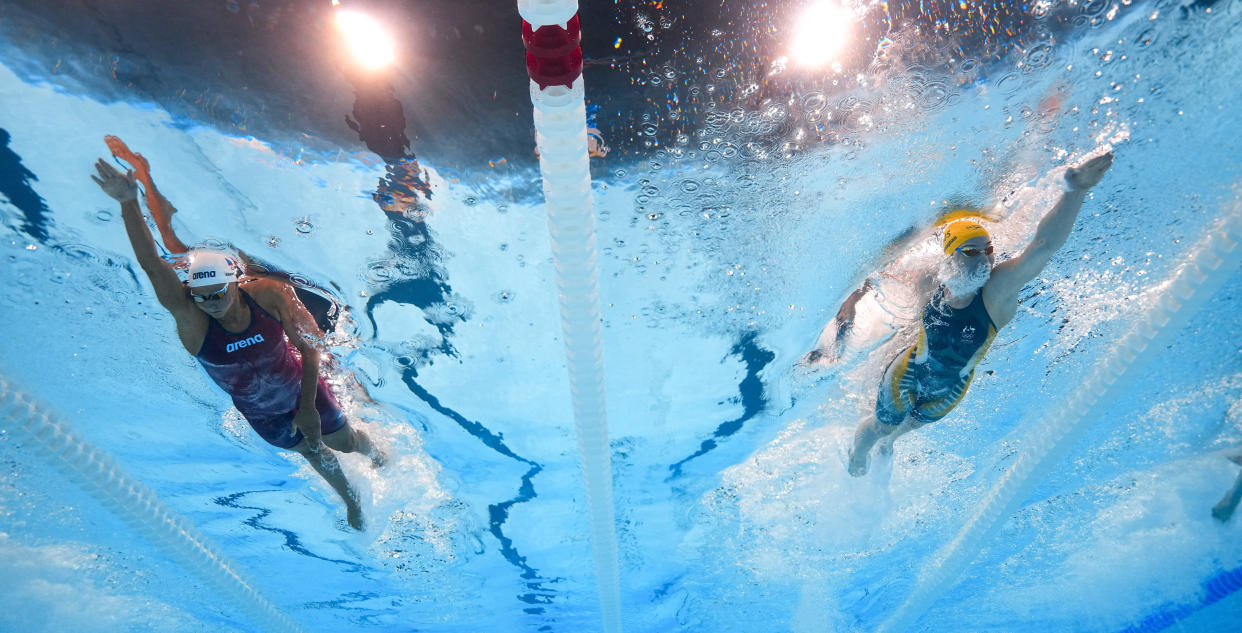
(822, 31)
(371, 45)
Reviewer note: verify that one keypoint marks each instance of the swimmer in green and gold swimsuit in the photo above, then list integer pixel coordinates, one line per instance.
(927, 380)
(976, 297)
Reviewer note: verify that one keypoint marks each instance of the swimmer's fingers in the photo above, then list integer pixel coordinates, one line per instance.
(1090, 173)
(104, 168)
(119, 187)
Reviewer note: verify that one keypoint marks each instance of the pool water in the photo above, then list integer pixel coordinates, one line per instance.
(742, 200)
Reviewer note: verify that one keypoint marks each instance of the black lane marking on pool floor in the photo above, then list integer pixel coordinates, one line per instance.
(751, 396)
(498, 513)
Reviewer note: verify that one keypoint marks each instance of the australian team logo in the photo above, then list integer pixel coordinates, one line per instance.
(968, 334)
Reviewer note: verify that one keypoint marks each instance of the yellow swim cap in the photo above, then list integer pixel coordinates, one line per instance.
(958, 232)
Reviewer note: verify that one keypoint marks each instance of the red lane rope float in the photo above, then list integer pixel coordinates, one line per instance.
(553, 53)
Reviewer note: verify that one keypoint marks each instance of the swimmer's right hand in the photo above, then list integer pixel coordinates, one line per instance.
(120, 187)
(1088, 174)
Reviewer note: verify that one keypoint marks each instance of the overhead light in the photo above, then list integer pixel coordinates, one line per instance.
(822, 31)
(370, 44)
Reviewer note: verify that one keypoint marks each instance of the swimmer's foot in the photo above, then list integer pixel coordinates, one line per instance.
(885, 446)
(353, 514)
(1235, 457)
(858, 464)
(142, 169)
(1223, 510)
(379, 458)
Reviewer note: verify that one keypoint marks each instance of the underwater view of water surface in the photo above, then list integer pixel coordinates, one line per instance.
(769, 183)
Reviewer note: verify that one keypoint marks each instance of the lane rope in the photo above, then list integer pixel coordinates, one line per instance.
(552, 35)
(99, 475)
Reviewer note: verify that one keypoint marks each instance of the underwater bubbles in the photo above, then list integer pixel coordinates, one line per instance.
(300, 280)
(78, 251)
(935, 97)
(1009, 83)
(1037, 58)
(379, 272)
(214, 244)
(304, 226)
(1147, 37)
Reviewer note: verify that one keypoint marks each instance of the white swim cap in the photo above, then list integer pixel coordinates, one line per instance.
(209, 268)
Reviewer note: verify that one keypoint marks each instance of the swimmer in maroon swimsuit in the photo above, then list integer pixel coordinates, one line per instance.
(250, 335)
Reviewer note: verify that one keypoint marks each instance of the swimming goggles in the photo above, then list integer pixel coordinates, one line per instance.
(219, 294)
(971, 251)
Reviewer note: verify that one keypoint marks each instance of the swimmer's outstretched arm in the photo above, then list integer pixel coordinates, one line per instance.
(1054, 229)
(168, 289)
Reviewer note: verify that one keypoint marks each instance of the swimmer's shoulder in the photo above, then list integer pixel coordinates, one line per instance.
(270, 294)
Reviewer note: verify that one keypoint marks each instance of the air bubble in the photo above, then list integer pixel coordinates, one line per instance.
(379, 272)
(1040, 56)
(304, 226)
(1009, 83)
(78, 251)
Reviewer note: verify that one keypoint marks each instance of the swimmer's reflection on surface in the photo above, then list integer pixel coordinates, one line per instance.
(378, 118)
(251, 335)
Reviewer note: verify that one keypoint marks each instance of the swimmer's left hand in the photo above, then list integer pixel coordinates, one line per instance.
(118, 186)
(307, 421)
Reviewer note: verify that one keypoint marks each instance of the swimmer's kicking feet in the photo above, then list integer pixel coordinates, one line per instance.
(256, 341)
(1227, 504)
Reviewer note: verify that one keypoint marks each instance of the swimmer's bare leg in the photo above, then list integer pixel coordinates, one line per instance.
(1224, 509)
(865, 437)
(1235, 457)
(885, 445)
(347, 439)
(325, 463)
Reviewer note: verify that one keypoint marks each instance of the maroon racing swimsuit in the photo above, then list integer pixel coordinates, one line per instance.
(262, 371)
